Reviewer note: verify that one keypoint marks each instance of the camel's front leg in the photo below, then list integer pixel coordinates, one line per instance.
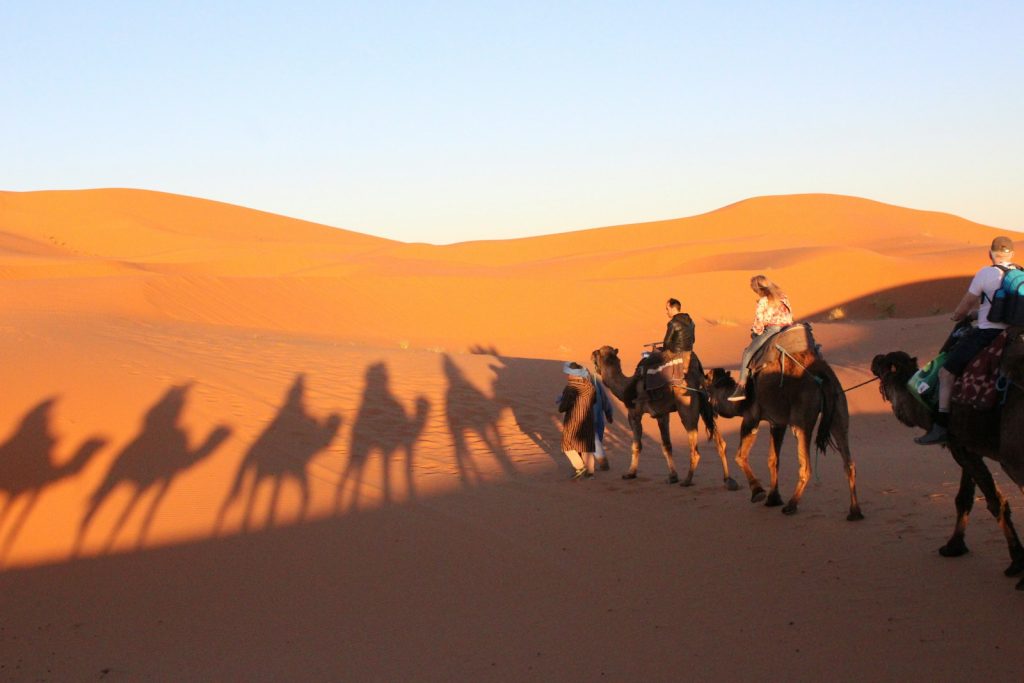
(666, 450)
(730, 483)
(803, 451)
(748, 435)
(1000, 509)
(691, 437)
(778, 433)
(636, 424)
(956, 546)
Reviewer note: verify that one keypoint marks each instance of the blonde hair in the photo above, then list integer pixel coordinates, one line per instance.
(765, 287)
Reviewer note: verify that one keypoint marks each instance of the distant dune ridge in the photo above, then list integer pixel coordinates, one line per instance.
(216, 417)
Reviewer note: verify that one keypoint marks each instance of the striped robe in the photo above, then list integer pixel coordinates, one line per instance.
(578, 425)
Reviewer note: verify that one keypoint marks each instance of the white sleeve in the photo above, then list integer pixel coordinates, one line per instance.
(981, 279)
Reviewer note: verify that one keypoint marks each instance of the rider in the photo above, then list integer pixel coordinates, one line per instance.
(679, 337)
(771, 315)
(978, 298)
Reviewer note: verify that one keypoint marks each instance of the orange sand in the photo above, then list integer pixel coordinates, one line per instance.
(237, 446)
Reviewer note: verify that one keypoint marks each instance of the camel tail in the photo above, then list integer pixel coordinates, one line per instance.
(829, 405)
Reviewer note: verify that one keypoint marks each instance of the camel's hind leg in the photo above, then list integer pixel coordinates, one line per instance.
(851, 476)
(803, 451)
(666, 450)
(778, 433)
(748, 435)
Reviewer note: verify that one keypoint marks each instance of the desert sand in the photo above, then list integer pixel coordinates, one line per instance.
(239, 446)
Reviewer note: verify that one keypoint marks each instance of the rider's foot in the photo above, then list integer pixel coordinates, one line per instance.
(739, 393)
(936, 435)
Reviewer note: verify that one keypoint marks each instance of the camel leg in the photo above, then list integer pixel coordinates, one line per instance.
(851, 476)
(666, 450)
(778, 433)
(748, 435)
(803, 451)
(636, 425)
(955, 546)
(730, 483)
(691, 437)
(1000, 509)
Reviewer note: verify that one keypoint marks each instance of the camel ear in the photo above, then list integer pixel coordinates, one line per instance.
(616, 351)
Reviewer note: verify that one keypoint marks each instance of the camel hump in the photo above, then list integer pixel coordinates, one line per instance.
(793, 339)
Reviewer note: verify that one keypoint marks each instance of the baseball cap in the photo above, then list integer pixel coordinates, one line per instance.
(1002, 245)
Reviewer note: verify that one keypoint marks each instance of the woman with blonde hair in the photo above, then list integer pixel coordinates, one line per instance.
(771, 315)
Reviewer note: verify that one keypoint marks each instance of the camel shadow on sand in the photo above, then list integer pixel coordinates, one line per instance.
(529, 388)
(150, 462)
(281, 453)
(383, 427)
(27, 467)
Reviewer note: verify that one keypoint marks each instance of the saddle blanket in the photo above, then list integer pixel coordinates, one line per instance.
(978, 385)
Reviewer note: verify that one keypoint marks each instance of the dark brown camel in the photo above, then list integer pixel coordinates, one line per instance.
(788, 390)
(973, 436)
(690, 404)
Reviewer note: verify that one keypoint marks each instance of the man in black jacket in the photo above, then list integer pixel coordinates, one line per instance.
(679, 337)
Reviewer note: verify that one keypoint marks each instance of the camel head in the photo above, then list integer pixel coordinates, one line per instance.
(719, 379)
(898, 366)
(606, 357)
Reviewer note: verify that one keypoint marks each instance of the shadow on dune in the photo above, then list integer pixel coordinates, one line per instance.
(27, 466)
(381, 426)
(469, 411)
(529, 387)
(150, 463)
(914, 300)
(281, 453)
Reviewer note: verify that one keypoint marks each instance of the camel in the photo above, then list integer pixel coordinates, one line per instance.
(973, 436)
(788, 390)
(688, 402)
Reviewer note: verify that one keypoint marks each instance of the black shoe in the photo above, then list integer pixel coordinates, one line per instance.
(602, 464)
(936, 435)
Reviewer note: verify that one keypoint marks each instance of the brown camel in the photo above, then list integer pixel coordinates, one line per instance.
(688, 401)
(790, 389)
(973, 436)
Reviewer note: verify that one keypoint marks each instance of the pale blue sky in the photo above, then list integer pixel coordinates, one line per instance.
(446, 121)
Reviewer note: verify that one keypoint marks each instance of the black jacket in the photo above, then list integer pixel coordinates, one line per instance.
(679, 334)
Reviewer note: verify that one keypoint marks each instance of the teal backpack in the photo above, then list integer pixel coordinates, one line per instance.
(1008, 301)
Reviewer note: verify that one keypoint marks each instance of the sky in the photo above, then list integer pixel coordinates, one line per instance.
(443, 121)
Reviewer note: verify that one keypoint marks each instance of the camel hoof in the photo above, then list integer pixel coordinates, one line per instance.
(1020, 585)
(954, 549)
(731, 485)
(790, 509)
(854, 516)
(1015, 568)
(673, 479)
(629, 475)
(757, 496)
(774, 500)
(686, 482)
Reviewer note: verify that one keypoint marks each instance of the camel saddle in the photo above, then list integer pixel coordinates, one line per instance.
(793, 339)
(978, 386)
(665, 368)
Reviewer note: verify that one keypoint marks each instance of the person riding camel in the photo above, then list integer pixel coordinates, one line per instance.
(977, 299)
(773, 312)
(679, 338)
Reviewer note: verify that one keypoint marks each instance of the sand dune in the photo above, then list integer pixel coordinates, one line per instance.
(235, 445)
